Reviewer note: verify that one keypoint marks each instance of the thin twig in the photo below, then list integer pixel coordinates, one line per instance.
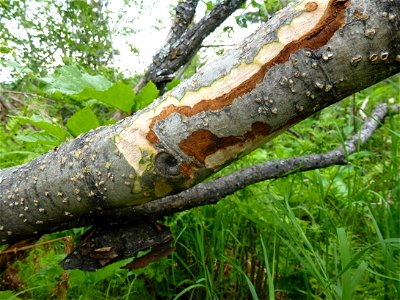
(67, 238)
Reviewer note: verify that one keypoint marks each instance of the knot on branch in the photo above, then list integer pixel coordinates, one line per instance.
(166, 164)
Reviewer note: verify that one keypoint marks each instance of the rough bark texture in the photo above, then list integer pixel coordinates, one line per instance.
(102, 246)
(184, 13)
(307, 57)
(95, 251)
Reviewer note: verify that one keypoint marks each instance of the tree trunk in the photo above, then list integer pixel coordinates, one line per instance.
(310, 55)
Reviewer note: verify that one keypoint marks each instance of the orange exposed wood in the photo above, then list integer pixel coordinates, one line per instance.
(331, 21)
(203, 143)
(186, 168)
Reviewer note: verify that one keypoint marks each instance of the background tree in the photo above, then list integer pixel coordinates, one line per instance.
(76, 31)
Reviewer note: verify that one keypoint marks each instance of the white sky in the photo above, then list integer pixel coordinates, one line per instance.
(149, 35)
(152, 24)
(149, 38)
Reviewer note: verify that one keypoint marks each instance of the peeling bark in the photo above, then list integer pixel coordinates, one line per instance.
(310, 55)
(103, 245)
(86, 255)
(211, 191)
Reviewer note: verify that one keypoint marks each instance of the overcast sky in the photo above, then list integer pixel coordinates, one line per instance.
(152, 24)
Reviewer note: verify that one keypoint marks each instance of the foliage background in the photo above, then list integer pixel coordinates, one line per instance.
(331, 233)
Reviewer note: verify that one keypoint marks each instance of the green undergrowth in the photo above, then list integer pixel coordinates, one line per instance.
(326, 234)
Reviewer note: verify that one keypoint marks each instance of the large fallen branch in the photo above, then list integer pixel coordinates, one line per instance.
(136, 229)
(310, 55)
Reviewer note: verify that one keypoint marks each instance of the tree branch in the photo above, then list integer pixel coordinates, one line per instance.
(184, 14)
(212, 191)
(137, 217)
(182, 46)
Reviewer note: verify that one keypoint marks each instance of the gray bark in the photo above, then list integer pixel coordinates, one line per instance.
(184, 14)
(309, 56)
(123, 239)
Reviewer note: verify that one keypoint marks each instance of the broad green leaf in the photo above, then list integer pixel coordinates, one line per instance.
(119, 95)
(45, 124)
(82, 121)
(69, 80)
(172, 84)
(147, 94)
(16, 66)
(39, 137)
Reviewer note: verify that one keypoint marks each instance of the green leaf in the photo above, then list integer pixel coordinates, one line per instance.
(82, 121)
(172, 84)
(148, 93)
(38, 137)
(69, 80)
(45, 124)
(249, 283)
(8, 295)
(16, 66)
(119, 95)
(209, 5)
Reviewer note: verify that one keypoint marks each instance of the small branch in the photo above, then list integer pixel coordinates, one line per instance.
(175, 54)
(184, 14)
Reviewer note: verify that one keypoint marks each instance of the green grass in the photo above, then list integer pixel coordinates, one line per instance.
(326, 234)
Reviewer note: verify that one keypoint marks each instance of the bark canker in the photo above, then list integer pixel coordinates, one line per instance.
(330, 22)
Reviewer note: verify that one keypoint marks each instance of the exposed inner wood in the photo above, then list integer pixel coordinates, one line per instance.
(203, 143)
(331, 21)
